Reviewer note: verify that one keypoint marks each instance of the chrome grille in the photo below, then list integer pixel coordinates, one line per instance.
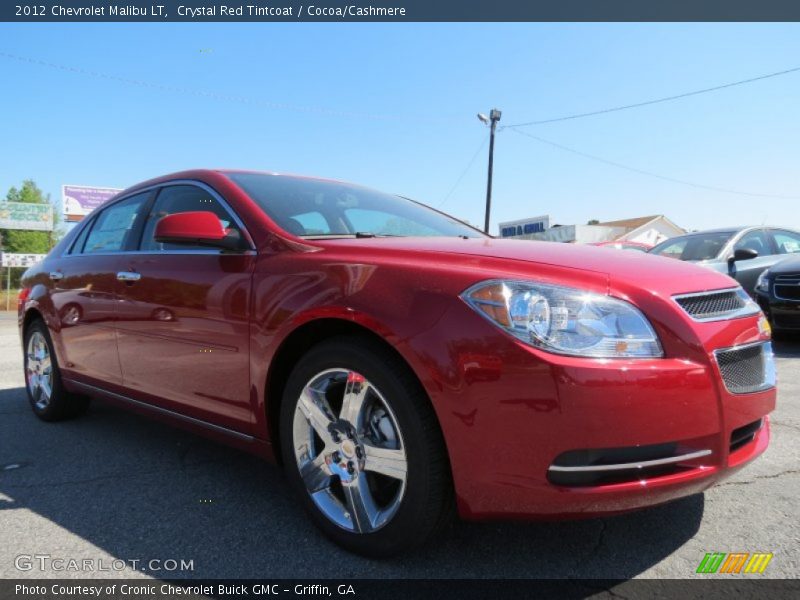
(747, 369)
(711, 304)
(787, 287)
(717, 305)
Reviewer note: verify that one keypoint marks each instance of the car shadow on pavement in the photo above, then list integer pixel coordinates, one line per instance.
(114, 483)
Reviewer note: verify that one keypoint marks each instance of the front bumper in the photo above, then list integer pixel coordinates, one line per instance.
(783, 314)
(508, 412)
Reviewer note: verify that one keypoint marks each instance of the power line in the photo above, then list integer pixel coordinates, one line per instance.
(656, 100)
(464, 172)
(650, 173)
(214, 95)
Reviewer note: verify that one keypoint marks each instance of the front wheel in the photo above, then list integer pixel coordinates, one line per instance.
(362, 447)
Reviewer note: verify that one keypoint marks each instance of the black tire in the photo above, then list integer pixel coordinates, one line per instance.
(61, 405)
(426, 505)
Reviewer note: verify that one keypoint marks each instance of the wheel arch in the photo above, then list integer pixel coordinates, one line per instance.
(29, 317)
(300, 341)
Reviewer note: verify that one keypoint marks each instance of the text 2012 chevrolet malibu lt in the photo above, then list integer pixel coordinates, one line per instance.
(399, 364)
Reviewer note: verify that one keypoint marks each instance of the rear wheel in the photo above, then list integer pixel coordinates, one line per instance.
(362, 448)
(46, 393)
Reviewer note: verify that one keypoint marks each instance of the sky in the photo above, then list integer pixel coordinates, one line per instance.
(393, 106)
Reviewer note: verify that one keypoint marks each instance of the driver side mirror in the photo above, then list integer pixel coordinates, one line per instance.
(743, 254)
(740, 254)
(195, 228)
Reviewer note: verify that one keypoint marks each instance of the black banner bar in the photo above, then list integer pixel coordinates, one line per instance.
(398, 10)
(741, 588)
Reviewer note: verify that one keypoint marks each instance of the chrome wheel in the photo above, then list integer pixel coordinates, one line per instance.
(39, 370)
(349, 450)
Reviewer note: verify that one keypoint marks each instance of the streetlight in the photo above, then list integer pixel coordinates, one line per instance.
(491, 121)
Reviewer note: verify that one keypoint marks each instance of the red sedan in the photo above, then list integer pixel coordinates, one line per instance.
(624, 245)
(400, 365)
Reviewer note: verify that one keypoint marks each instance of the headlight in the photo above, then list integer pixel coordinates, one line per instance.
(565, 320)
(762, 283)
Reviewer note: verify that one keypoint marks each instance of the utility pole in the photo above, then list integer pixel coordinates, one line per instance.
(491, 121)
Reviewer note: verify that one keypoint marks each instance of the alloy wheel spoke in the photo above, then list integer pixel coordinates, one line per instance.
(45, 364)
(316, 410)
(355, 392)
(360, 504)
(316, 475)
(385, 461)
(339, 478)
(44, 386)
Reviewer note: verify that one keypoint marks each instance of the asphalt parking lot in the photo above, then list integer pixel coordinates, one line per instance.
(113, 485)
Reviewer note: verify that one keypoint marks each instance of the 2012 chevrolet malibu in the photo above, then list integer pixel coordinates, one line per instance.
(399, 364)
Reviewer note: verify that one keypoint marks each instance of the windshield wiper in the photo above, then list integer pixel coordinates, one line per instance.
(357, 235)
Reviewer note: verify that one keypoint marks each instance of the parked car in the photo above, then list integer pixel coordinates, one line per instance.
(742, 253)
(638, 246)
(399, 364)
(778, 294)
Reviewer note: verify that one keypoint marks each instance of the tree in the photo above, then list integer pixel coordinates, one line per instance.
(593, 222)
(34, 242)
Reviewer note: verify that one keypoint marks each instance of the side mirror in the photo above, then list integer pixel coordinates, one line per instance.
(744, 254)
(196, 228)
(740, 254)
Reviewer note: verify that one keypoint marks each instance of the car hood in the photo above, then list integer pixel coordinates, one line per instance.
(655, 273)
(786, 266)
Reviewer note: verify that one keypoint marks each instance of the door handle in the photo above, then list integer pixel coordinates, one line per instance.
(129, 276)
(56, 275)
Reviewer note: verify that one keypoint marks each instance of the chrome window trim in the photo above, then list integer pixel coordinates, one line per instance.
(159, 187)
(634, 465)
(209, 252)
(748, 310)
(770, 372)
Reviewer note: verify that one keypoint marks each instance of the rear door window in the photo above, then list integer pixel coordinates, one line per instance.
(77, 245)
(112, 228)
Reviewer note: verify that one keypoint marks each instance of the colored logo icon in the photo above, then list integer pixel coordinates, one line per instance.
(734, 562)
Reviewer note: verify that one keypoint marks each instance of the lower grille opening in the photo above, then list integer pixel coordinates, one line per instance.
(586, 479)
(593, 467)
(744, 435)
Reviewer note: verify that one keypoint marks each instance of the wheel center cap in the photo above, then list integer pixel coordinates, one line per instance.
(348, 448)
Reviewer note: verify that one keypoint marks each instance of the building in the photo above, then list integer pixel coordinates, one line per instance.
(647, 230)
(650, 230)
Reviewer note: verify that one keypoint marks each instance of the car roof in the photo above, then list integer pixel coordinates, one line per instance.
(279, 174)
(730, 230)
(211, 173)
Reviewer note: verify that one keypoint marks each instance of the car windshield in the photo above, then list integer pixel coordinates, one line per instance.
(315, 208)
(702, 246)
